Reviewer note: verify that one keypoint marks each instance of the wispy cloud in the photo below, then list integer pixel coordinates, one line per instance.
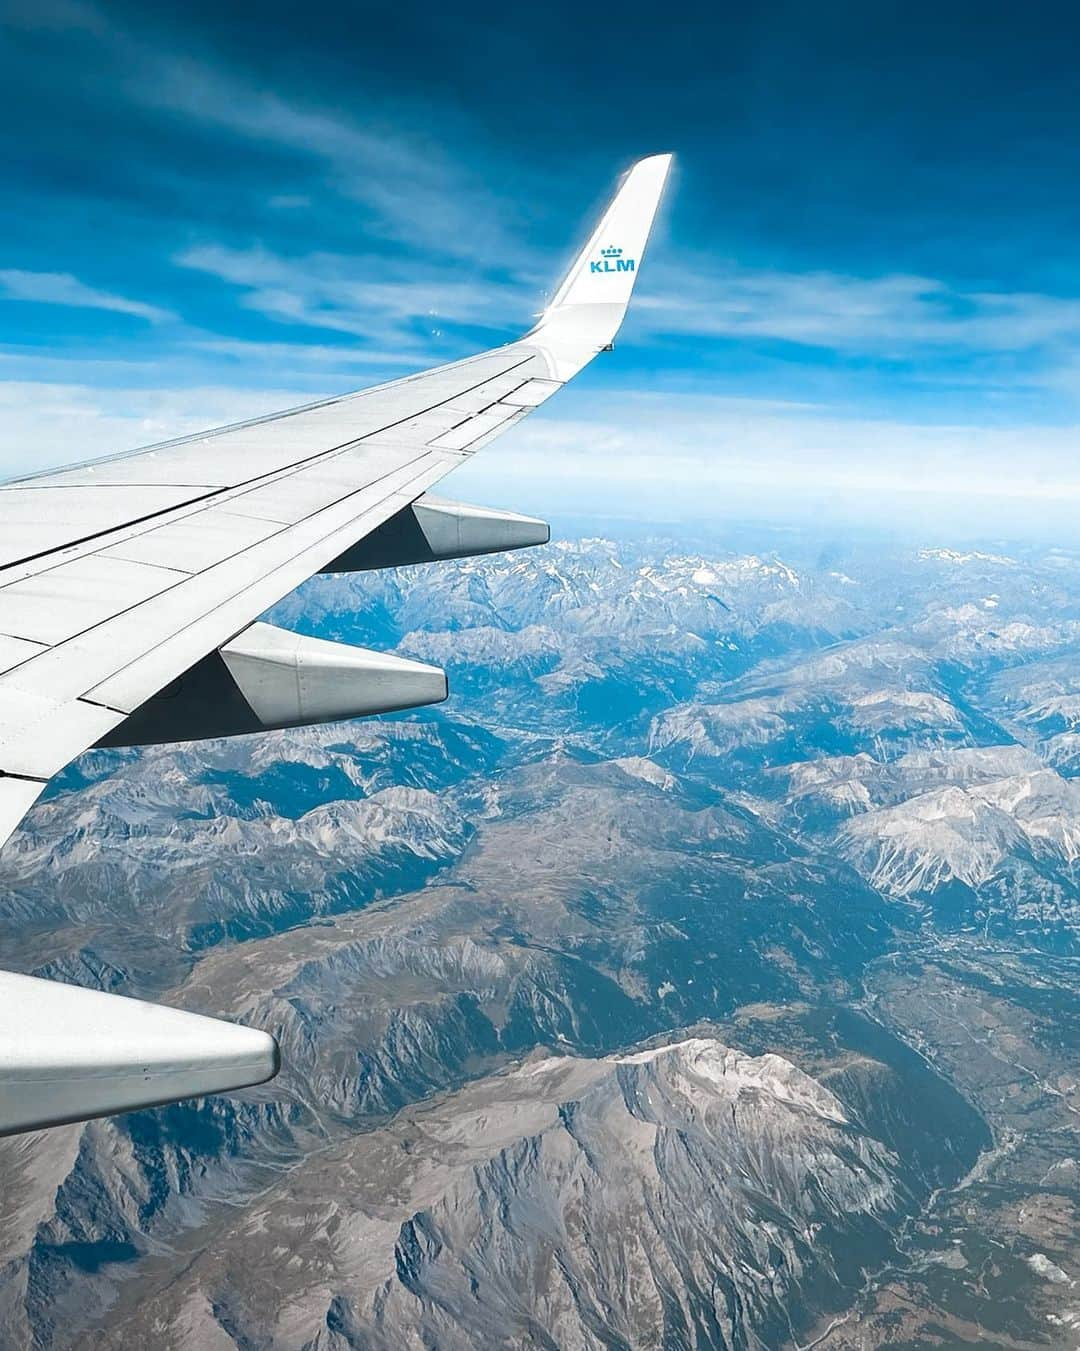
(413, 192)
(711, 456)
(395, 165)
(386, 301)
(284, 356)
(61, 288)
(54, 15)
(49, 423)
(885, 314)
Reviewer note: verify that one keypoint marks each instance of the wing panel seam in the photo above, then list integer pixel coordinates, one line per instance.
(238, 488)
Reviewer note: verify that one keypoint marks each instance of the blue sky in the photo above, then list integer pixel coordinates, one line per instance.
(863, 302)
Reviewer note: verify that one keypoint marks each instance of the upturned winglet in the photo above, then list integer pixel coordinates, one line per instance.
(589, 306)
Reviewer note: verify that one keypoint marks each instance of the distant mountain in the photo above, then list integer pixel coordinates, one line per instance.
(1005, 850)
(655, 990)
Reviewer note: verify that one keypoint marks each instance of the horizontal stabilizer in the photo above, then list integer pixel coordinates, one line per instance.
(69, 1054)
(432, 529)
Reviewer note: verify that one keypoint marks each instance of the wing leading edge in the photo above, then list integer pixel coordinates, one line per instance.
(130, 593)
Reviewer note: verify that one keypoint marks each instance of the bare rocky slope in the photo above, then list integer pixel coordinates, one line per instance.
(673, 1197)
(695, 980)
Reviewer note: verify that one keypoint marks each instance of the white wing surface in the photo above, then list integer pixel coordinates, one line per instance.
(131, 587)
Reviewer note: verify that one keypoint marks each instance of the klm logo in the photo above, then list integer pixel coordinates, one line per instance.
(611, 260)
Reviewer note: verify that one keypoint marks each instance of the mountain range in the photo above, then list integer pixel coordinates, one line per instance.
(623, 999)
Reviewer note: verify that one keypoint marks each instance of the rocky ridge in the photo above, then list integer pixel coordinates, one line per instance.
(673, 1196)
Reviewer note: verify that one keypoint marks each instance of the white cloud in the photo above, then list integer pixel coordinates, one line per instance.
(392, 163)
(414, 193)
(885, 314)
(693, 457)
(284, 356)
(656, 456)
(383, 300)
(61, 288)
(47, 424)
(58, 15)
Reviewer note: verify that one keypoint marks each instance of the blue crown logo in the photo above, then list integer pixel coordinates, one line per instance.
(611, 260)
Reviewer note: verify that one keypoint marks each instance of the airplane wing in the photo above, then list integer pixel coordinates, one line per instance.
(130, 593)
